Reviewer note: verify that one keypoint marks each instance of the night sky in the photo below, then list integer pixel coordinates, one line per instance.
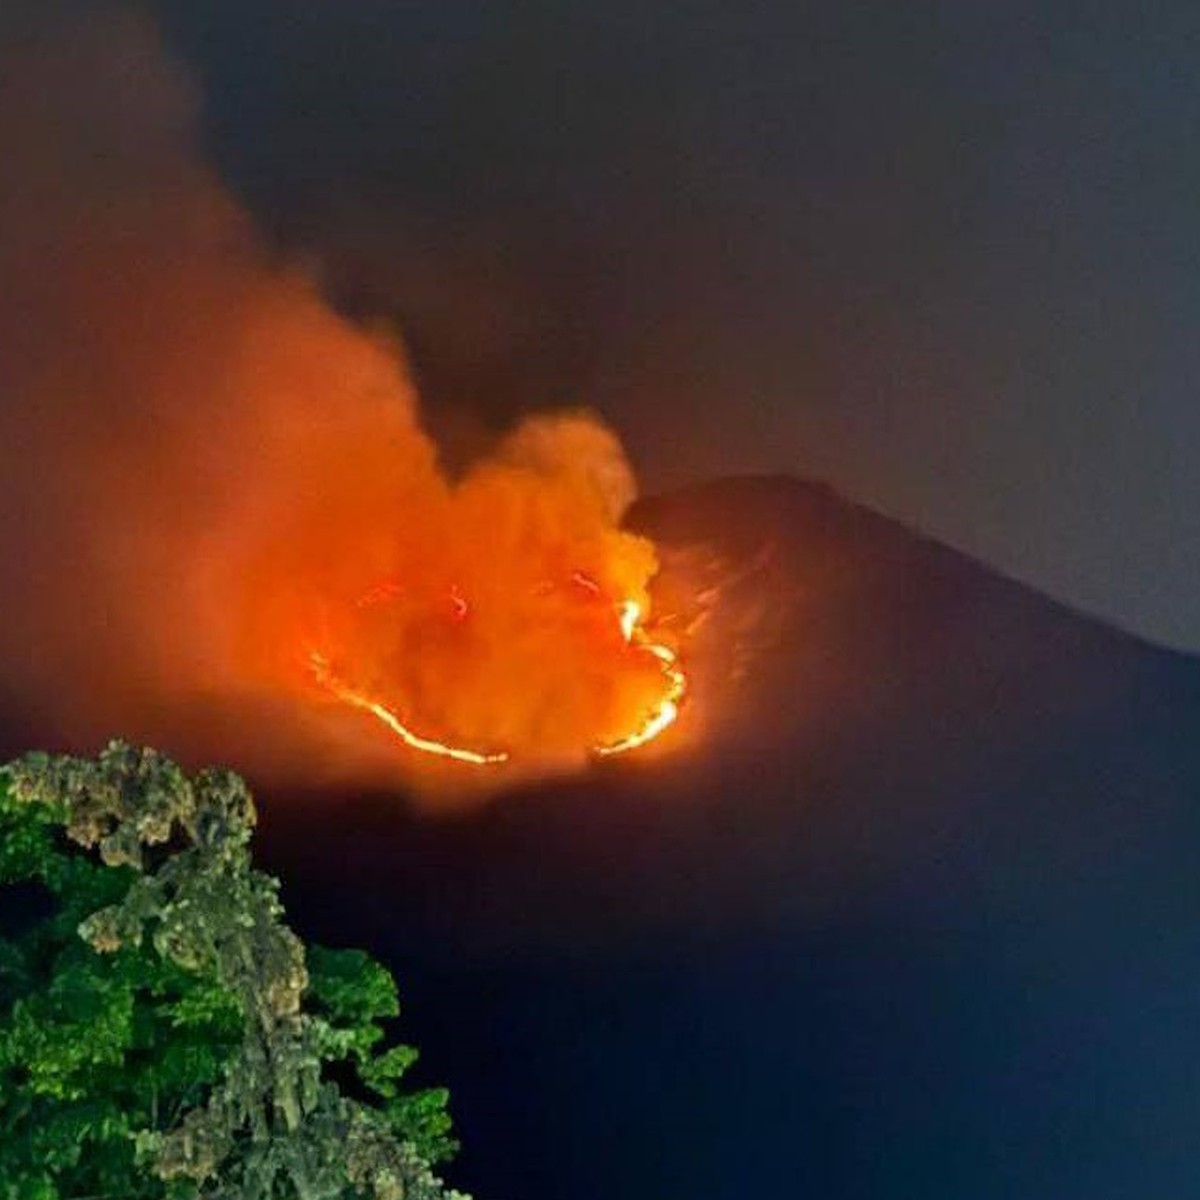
(908, 909)
(941, 255)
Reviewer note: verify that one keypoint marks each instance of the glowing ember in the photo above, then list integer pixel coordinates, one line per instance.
(586, 582)
(381, 593)
(629, 614)
(652, 722)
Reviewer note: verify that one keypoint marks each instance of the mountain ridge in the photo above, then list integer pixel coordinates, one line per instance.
(906, 906)
(824, 497)
(866, 688)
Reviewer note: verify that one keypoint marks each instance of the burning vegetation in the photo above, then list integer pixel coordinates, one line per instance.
(236, 483)
(651, 717)
(503, 622)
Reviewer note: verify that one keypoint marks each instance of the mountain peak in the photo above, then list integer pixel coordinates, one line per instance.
(921, 850)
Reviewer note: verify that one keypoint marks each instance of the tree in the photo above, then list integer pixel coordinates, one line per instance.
(163, 1033)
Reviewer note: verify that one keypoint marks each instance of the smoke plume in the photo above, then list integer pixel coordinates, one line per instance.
(215, 488)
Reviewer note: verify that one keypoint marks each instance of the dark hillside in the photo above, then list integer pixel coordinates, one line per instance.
(912, 917)
(908, 912)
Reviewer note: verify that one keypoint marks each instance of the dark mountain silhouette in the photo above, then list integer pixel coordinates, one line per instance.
(906, 911)
(910, 912)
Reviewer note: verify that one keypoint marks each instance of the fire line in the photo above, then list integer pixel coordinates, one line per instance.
(628, 613)
(325, 676)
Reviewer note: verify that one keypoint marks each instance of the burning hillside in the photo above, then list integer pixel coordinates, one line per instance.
(220, 492)
(509, 628)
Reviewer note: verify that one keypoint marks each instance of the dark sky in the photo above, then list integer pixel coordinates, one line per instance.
(945, 833)
(942, 255)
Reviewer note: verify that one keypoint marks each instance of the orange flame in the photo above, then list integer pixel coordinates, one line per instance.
(666, 711)
(653, 722)
(239, 480)
(325, 676)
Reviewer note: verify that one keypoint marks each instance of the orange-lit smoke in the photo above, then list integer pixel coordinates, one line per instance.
(223, 526)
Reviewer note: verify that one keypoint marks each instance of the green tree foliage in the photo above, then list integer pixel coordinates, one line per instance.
(163, 1033)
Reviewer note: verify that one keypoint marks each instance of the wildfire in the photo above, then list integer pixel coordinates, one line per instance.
(326, 677)
(666, 711)
(323, 562)
(649, 724)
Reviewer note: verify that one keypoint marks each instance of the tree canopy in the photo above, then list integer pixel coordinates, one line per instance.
(163, 1033)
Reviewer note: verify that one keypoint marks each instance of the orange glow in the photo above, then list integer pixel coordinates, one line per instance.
(647, 725)
(347, 695)
(666, 711)
(630, 612)
(246, 493)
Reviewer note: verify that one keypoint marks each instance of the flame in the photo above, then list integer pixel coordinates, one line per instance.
(629, 613)
(666, 711)
(658, 717)
(240, 482)
(325, 676)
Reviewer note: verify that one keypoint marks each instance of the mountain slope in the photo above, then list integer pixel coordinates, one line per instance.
(907, 913)
(869, 710)
(914, 915)
(907, 910)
